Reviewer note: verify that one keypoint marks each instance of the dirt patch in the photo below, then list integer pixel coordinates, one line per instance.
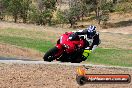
(123, 30)
(51, 76)
(33, 27)
(15, 51)
(117, 17)
(115, 40)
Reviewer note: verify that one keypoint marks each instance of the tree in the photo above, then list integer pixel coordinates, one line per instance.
(2, 9)
(78, 9)
(13, 8)
(83, 7)
(25, 7)
(49, 8)
(17, 8)
(61, 19)
(114, 1)
(72, 15)
(43, 12)
(102, 9)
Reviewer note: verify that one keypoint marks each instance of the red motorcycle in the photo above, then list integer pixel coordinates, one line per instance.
(66, 50)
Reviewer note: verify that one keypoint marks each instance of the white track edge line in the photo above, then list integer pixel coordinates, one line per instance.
(59, 63)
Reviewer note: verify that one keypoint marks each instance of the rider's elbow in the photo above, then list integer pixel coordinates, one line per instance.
(99, 42)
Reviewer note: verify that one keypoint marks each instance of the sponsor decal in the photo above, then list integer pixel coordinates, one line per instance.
(83, 78)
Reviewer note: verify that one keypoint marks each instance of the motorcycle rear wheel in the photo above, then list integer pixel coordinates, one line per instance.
(50, 55)
(77, 60)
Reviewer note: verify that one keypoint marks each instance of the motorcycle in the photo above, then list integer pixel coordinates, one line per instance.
(66, 50)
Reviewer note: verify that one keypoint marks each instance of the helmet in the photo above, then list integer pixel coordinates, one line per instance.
(91, 31)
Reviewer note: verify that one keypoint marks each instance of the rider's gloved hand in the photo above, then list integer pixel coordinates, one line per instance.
(86, 53)
(73, 36)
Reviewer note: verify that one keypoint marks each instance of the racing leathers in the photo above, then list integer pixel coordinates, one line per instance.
(92, 40)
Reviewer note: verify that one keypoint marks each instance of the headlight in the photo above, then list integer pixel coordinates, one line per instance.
(66, 46)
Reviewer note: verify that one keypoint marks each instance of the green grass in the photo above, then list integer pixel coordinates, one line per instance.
(37, 44)
(33, 34)
(118, 57)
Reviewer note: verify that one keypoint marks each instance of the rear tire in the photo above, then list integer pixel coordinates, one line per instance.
(76, 60)
(50, 55)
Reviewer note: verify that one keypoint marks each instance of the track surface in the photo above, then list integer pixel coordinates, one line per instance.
(18, 73)
(30, 61)
(24, 73)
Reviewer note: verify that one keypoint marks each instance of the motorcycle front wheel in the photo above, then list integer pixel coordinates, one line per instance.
(50, 55)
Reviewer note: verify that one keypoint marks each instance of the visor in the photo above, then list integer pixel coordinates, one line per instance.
(90, 35)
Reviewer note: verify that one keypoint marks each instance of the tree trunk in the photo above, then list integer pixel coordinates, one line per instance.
(97, 15)
(82, 15)
(98, 11)
(70, 21)
(15, 18)
(24, 18)
(114, 1)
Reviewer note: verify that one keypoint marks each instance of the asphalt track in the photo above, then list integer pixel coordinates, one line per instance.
(21, 73)
(29, 61)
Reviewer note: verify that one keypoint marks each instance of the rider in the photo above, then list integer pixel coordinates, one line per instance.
(91, 37)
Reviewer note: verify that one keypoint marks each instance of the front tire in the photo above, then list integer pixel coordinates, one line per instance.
(50, 55)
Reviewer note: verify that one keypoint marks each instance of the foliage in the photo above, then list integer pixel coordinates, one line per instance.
(78, 9)
(108, 6)
(123, 7)
(43, 12)
(17, 8)
(61, 18)
(33, 15)
(71, 15)
(25, 6)
(14, 7)
(1, 10)
(49, 4)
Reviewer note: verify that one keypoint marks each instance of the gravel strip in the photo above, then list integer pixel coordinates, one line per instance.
(27, 75)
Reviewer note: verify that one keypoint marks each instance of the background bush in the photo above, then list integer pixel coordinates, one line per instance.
(45, 12)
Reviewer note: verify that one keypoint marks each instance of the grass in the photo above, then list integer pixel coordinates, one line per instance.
(37, 44)
(36, 40)
(32, 34)
(116, 40)
(118, 57)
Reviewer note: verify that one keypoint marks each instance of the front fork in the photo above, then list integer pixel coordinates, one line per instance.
(60, 50)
